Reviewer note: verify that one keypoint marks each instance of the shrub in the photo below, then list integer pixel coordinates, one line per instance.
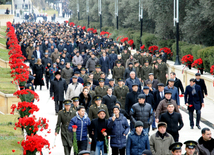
(149, 39)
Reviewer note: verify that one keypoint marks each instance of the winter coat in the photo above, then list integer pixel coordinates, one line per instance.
(129, 83)
(29, 52)
(154, 83)
(177, 84)
(160, 146)
(67, 74)
(61, 47)
(131, 99)
(90, 64)
(196, 100)
(128, 71)
(112, 59)
(109, 102)
(82, 125)
(39, 71)
(202, 149)
(77, 60)
(57, 89)
(202, 84)
(175, 95)
(54, 56)
(82, 101)
(45, 61)
(105, 64)
(143, 113)
(73, 90)
(117, 129)
(136, 144)
(69, 48)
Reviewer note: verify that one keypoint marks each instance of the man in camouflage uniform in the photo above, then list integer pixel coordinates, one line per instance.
(120, 92)
(161, 70)
(145, 70)
(118, 71)
(93, 110)
(97, 72)
(64, 117)
(101, 90)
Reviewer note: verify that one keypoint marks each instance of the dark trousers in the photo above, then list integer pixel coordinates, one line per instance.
(198, 117)
(116, 150)
(82, 145)
(47, 79)
(67, 150)
(175, 135)
(58, 106)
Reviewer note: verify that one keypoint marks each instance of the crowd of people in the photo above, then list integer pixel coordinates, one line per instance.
(75, 65)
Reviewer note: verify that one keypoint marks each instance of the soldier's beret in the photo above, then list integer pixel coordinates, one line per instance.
(118, 62)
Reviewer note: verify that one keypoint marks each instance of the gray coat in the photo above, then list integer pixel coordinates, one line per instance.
(77, 60)
(57, 89)
(160, 146)
(90, 64)
(67, 74)
(143, 113)
(202, 150)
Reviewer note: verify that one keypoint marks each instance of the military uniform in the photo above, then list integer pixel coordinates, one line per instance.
(190, 144)
(92, 93)
(120, 93)
(84, 77)
(118, 72)
(93, 110)
(29, 86)
(97, 75)
(149, 58)
(145, 72)
(175, 146)
(137, 71)
(161, 72)
(101, 91)
(125, 57)
(137, 56)
(63, 121)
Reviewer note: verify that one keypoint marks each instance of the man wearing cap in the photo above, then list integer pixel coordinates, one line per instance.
(143, 112)
(147, 57)
(162, 106)
(133, 80)
(109, 100)
(125, 56)
(98, 138)
(154, 81)
(79, 79)
(75, 104)
(137, 140)
(161, 70)
(30, 82)
(119, 58)
(145, 70)
(176, 148)
(57, 89)
(174, 90)
(61, 46)
(92, 61)
(84, 152)
(118, 71)
(161, 140)
(97, 72)
(105, 63)
(93, 110)
(106, 82)
(64, 117)
(190, 147)
(118, 127)
(137, 69)
(173, 120)
(128, 70)
(77, 59)
(137, 55)
(74, 88)
(46, 60)
(83, 74)
(112, 85)
(101, 90)
(194, 101)
(120, 92)
(201, 83)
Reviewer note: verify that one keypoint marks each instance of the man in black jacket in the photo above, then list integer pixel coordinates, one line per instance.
(109, 100)
(57, 89)
(177, 82)
(98, 137)
(201, 83)
(172, 119)
(142, 111)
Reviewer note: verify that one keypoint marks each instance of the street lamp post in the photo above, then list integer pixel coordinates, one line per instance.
(116, 12)
(141, 20)
(87, 10)
(176, 22)
(78, 14)
(100, 13)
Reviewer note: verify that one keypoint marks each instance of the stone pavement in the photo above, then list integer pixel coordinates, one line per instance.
(47, 110)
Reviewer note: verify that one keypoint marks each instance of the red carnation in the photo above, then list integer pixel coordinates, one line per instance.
(142, 47)
(103, 130)
(53, 98)
(131, 42)
(18, 142)
(13, 150)
(74, 126)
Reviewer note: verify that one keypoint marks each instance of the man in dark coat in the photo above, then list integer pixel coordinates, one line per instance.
(133, 79)
(177, 82)
(158, 95)
(194, 100)
(172, 119)
(64, 117)
(109, 100)
(58, 87)
(98, 137)
(112, 58)
(163, 56)
(154, 81)
(46, 60)
(128, 70)
(201, 83)
(105, 64)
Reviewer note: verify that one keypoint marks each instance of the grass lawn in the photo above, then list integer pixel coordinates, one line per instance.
(8, 136)
(5, 83)
(4, 54)
(3, 41)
